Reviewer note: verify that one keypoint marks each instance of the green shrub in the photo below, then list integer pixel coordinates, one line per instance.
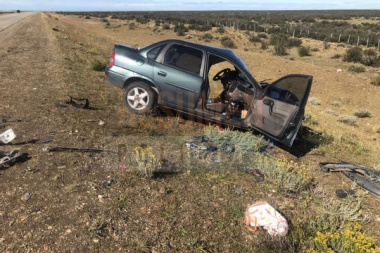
(201, 28)
(254, 39)
(370, 58)
(350, 238)
(357, 68)
(354, 54)
(98, 65)
(221, 29)
(347, 119)
(336, 56)
(314, 101)
(166, 26)
(288, 177)
(294, 42)
(132, 26)
(181, 33)
(310, 119)
(228, 42)
(262, 35)
(362, 113)
(304, 51)
(264, 44)
(336, 103)
(280, 42)
(207, 36)
(147, 162)
(279, 38)
(280, 49)
(180, 29)
(142, 20)
(326, 44)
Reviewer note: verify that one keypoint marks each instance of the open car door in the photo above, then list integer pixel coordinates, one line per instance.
(279, 111)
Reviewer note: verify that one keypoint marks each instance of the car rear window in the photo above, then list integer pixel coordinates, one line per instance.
(153, 53)
(185, 58)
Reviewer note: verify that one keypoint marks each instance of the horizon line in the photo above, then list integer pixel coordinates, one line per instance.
(186, 10)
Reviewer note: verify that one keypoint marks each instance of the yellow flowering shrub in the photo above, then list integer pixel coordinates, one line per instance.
(350, 239)
(146, 160)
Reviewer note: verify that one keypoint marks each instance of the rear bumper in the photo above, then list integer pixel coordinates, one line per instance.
(114, 77)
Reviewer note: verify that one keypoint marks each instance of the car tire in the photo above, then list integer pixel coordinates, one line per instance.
(139, 98)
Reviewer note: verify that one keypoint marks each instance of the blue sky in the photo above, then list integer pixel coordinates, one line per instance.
(134, 5)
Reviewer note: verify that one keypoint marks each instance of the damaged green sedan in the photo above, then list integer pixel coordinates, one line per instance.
(208, 83)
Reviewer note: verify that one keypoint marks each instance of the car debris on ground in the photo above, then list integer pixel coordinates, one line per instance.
(361, 175)
(9, 157)
(80, 103)
(207, 144)
(72, 149)
(7, 136)
(342, 194)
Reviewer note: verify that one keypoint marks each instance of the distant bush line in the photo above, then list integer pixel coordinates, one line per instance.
(331, 26)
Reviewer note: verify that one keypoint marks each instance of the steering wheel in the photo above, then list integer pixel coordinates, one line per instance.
(221, 74)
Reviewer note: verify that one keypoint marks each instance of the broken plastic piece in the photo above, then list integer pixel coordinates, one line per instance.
(229, 148)
(7, 157)
(7, 136)
(211, 146)
(81, 103)
(361, 175)
(257, 173)
(340, 193)
(48, 140)
(264, 215)
(107, 184)
(85, 150)
(195, 146)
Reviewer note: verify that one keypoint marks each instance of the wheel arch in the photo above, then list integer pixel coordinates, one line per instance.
(139, 79)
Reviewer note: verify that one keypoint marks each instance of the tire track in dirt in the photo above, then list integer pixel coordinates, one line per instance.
(29, 74)
(39, 67)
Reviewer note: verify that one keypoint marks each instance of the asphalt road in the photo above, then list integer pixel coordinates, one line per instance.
(7, 20)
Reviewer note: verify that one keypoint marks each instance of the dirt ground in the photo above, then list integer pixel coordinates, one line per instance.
(86, 202)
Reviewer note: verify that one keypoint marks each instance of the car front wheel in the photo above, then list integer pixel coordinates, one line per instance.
(139, 98)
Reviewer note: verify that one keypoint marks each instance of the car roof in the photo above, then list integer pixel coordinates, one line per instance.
(223, 52)
(217, 50)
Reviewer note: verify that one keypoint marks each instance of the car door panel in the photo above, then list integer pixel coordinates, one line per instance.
(279, 111)
(179, 89)
(273, 118)
(178, 72)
